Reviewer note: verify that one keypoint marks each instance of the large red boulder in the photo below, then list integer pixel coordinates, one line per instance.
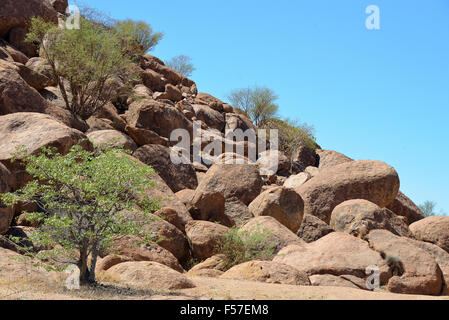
(374, 181)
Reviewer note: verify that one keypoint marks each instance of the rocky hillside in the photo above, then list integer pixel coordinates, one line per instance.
(328, 222)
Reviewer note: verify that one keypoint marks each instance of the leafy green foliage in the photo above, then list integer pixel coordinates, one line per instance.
(239, 247)
(182, 64)
(292, 135)
(258, 103)
(82, 197)
(85, 62)
(137, 36)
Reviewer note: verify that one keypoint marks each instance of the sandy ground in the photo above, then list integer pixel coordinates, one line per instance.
(206, 289)
(20, 280)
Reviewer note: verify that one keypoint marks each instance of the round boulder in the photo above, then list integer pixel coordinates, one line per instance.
(283, 204)
(374, 181)
(434, 230)
(352, 214)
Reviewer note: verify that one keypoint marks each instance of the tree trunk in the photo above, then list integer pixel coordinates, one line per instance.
(93, 264)
(82, 265)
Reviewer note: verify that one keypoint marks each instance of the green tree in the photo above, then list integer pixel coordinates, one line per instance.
(242, 99)
(258, 103)
(85, 62)
(428, 208)
(182, 64)
(82, 197)
(137, 36)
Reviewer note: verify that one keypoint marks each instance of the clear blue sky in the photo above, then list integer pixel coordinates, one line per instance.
(379, 94)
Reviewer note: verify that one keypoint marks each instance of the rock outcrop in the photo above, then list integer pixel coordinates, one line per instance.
(283, 204)
(434, 230)
(374, 181)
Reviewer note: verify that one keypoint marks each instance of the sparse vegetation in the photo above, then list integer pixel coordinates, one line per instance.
(258, 103)
(429, 209)
(137, 36)
(292, 135)
(89, 63)
(239, 247)
(81, 200)
(182, 64)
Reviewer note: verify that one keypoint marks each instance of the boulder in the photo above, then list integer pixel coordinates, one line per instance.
(96, 124)
(40, 65)
(33, 78)
(236, 121)
(312, 171)
(172, 76)
(171, 216)
(16, 37)
(231, 158)
(329, 280)
(154, 80)
(144, 136)
(237, 212)
(165, 235)
(283, 204)
(59, 5)
(16, 95)
(352, 215)
(112, 138)
(203, 237)
(297, 180)
(434, 230)
(148, 61)
(133, 248)
(441, 258)
(177, 176)
(335, 254)
(186, 196)
(405, 207)
(304, 157)
(171, 93)
(9, 53)
(269, 272)
(312, 229)
(34, 131)
(420, 273)
(167, 199)
(209, 206)
(271, 162)
(106, 263)
(242, 182)
(209, 116)
(374, 181)
(147, 275)
(214, 263)
(158, 117)
(139, 92)
(17, 13)
(54, 96)
(330, 158)
(207, 99)
(277, 235)
(109, 111)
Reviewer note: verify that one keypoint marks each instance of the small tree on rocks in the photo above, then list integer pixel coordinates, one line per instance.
(82, 197)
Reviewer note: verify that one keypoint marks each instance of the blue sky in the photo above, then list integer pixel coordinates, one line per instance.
(370, 94)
